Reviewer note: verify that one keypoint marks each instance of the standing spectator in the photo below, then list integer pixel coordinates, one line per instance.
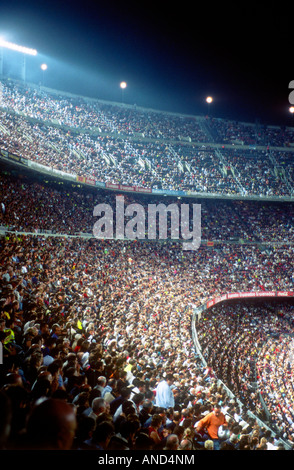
(164, 394)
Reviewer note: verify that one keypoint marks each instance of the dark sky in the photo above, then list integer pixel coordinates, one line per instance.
(171, 55)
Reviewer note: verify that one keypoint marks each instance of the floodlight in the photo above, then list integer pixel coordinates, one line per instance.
(209, 99)
(122, 85)
(15, 47)
(291, 110)
(44, 67)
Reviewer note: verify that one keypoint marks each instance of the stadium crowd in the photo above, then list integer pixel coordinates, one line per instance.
(124, 144)
(249, 345)
(30, 205)
(97, 334)
(97, 326)
(226, 131)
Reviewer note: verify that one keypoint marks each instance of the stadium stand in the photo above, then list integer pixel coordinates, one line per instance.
(92, 329)
(111, 143)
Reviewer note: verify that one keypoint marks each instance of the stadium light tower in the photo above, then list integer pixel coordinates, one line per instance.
(15, 47)
(291, 111)
(123, 86)
(43, 67)
(209, 100)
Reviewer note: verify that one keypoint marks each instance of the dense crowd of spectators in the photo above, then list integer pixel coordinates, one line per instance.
(30, 205)
(77, 312)
(257, 173)
(78, 112)
(251, 349)
(127, 145)
(97, 334)
(225, 131)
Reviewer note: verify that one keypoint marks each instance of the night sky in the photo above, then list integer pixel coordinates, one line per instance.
(172, 55)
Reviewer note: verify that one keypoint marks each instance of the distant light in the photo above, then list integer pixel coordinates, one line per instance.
(44, 66)
(209, 99)
(291, 109)
(123, 85)
(15, 47)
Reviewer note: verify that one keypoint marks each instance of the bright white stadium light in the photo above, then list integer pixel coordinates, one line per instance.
(209, 99)
(15, 47)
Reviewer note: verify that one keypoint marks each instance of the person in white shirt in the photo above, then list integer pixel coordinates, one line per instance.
(164, 397)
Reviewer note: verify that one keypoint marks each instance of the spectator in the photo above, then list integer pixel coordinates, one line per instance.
(109, 387)
(60, 426)
(153, 429)
(98, 407)
(164, 395)
(102, 435)
(146, 302)
(100, 384)
(146, 411)
(185, 444)
(209, 445)
(125, 437)
(125, 395)
(211, 423)
(172, 442)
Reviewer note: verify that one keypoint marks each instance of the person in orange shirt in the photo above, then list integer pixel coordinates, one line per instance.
(211, 423)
